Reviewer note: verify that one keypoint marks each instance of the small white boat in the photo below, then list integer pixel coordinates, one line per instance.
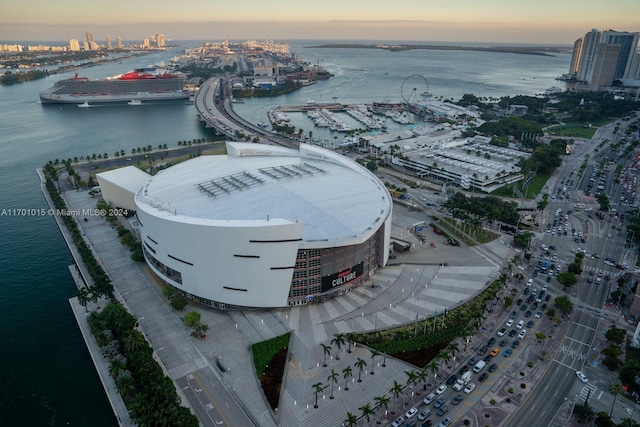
(134, 102)
(85, 104)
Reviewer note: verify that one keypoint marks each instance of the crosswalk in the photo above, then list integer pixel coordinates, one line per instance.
(587, 392)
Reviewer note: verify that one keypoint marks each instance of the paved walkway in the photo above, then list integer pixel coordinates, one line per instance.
(417, 285)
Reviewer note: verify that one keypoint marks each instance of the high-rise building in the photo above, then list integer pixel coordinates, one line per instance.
(119, 42)
(160, 40)
(628, 44)
(74, 45)
(89, 37)
(601, 57)
(109, 45)
(145, 43)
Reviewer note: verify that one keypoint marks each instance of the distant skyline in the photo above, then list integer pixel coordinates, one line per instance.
(490, 21)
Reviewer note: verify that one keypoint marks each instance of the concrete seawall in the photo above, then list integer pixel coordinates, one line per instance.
(81, 277)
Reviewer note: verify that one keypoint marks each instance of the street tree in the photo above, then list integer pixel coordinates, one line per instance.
(374, 353)
(317, 388)
(339, 340)
(326, 351)
(604, 202)
(367, 411)
(615, 389)
(346, 374)
(567, 279)
(615, 335)
(360, 364)
(333, 377)
(563, 303)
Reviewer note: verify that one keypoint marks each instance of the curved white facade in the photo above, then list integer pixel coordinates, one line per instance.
(232, 230)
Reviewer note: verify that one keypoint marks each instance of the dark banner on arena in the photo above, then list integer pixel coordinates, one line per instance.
(342, 277)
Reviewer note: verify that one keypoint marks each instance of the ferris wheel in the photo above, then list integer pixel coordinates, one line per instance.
(414, 88)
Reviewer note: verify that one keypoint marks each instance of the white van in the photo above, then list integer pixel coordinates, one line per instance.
(479, 366)
(529, 282)
(466, 377)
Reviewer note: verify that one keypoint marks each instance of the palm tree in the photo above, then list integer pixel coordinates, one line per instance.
(317, 388)
(453, 348)
(444, 357)
(466, 333)
(396, 390)
(412, 376)
(367, 411)
(374, 353)
(326, 349)
(83, 298)
(360, 364)
(434, 367)
(383, 402)
(351, 419)
(351, 339)
(116, 365)
(333, 377)
(133, 341)
(384, 356)
(347, 373)
(422, 376)
(95, 295)
(615, 389)
(339, 340)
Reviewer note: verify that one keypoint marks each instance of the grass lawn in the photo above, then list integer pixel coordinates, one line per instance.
(534, 188)
(577, 131)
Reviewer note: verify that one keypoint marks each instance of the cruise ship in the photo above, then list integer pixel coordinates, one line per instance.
(145, 85)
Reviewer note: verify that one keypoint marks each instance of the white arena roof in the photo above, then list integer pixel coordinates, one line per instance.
(335, 198)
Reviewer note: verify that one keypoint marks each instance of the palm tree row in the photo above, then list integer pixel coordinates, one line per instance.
(100, 279)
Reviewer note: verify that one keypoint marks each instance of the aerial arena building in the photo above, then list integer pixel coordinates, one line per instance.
(263, 226)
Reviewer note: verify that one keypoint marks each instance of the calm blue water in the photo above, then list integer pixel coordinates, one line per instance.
(47, 377)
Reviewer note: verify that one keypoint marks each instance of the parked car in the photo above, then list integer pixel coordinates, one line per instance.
(457, 399)
(441, 389)
(424, 414)
(483, 377)
(438, 403)
(429, 398)
(445, 423)
(515, 343)
(503, 342)
(443, 409)
(452, 379)
(502, 331)
(411, 412)
(520, 324)
(469, 388)
(507, 352)
(493, 367)
(510, 322)
(398, 422)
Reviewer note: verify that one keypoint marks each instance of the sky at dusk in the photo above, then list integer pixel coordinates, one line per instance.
(498, 21)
